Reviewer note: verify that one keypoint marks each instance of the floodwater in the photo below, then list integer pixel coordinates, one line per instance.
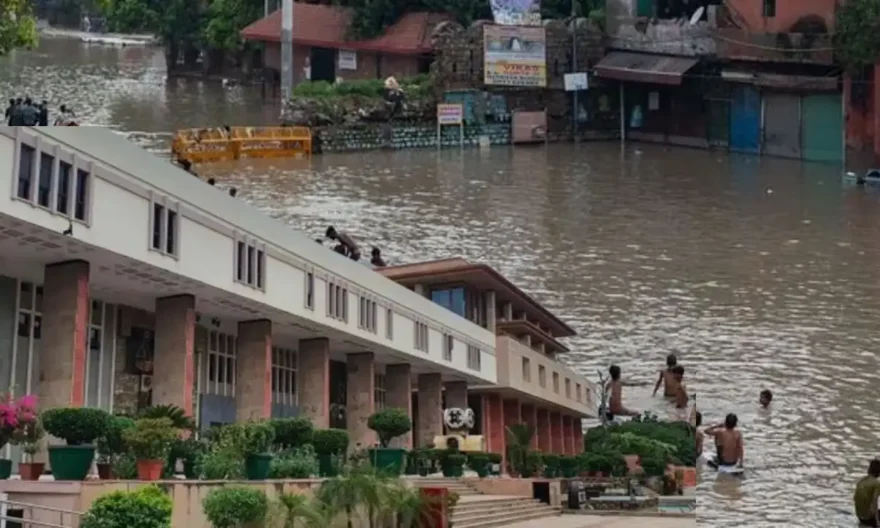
(758, 273)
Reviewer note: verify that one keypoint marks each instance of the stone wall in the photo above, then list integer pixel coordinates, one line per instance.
(404, 135)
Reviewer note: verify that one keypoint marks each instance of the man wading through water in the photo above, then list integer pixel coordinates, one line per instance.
(667, 378)
(615, 400)
(728, 442)
(866, 495)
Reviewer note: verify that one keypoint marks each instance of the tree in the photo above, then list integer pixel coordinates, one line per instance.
(857, 33)
(225, 20)
(18, 28)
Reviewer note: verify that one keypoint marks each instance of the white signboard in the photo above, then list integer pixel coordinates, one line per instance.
(575, 82)
(347, 60)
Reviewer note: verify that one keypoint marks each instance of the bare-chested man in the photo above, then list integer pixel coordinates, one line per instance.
(728, 441)
(347, 246)
(681, 395)
(666, 378)
(615, 400)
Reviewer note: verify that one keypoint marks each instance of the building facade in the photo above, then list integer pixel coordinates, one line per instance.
(127, 282)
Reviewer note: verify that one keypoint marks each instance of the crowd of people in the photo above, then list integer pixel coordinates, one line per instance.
(24, 111)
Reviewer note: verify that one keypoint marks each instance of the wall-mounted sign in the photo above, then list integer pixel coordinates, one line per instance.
(576, 81)
(347, 60)
(515, 56)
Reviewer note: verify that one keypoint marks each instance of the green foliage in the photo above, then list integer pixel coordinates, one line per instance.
(298, 510)
(330, 441)
(389, 424)
(292, 433)
(147, 507)
(188, 449)
(479, 462)
(125, 466)
(606, 461)
(175, 414)
(76, 425)
(232, 506)
(857, 33)
(221, 464)
(519, 438)
(416, 87)
(226, 18)
(256, 437)
(645, 435)
(18, 27)
(150, 438)
(299, 463)
(112, 444)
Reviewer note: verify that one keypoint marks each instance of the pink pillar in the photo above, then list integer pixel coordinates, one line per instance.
(398, 394)
(174, 359)
(556, 428)
(566, 435)
(578, 436)
(253, 380)
(313, 377)
(544, 434)
(494, 423)
(512, 416)
(530, 418)
(360, 403)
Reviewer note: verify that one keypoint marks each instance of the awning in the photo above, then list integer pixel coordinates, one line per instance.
(642, 67)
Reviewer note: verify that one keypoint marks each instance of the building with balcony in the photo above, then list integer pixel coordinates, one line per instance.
(532, 385)
(750, 76)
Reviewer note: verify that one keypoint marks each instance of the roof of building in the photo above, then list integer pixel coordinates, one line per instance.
(459, 269)
(327, 27)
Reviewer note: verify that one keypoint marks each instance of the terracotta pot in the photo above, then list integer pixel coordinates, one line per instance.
(31, 470)
(105, 472)
(150, 469)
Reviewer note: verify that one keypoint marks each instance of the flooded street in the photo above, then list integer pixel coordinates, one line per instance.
(758, 273)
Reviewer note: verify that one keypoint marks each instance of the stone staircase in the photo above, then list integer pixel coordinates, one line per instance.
(452, 484)
(487, 511)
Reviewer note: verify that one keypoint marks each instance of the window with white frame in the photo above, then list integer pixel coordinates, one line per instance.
(474, 358)
(448, 345)
(95, 360)
(379, 391)
(420, 336)
(568, 388)
(310, 290)
(221, 359)
(48, 181)
(578, 392)
(337, 301)
(367, 315)
(28, 336)
(389, 323)
(250, 263)
(164, 227)
(526, 370)
(284, 376)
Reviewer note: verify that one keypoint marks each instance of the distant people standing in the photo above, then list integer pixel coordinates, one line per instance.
(349, 246)
(44, 113)
(15, 118)
(7, 116)
(30, 116)
(667, 378)
(376, 258)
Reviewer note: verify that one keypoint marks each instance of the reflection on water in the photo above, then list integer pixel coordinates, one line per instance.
(758, 273)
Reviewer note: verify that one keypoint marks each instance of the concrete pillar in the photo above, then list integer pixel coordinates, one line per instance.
(420, 289)
(64, 335)
(359, 404)
(398, 395)
(530, 418)
(456, 394)
(508, 312)
(313, 378)
(430, 408)
(493, 413)
(490, 311)
(578, 435)
(173, 359)
(253, 379)
(556, 433)
(545, 443)
(566, 435)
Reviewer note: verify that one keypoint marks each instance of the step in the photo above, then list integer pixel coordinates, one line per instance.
(501, 511)
(506, 519)
(492, 503)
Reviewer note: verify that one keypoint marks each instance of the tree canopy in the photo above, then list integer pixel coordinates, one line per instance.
(857, 33)
(18, 28)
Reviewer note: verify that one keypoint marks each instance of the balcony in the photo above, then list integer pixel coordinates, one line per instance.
(520, 371)
(737, 44)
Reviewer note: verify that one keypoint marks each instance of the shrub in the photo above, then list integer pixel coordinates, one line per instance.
(112, 443)
(295, 464)
(188, 449)
(389, 424)
(645, 435)
(77, 426)
(150, 438)
(479, 462)
(292, 433)
(257, 438)
(221, 465)
(178, 416)
(125, 466)
(232, 506)
(330, 441)
(147, 507)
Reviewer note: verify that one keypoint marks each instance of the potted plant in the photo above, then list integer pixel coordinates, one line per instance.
(479, 462)
(551, 465)
(188, 450)
(256, 447)
(495, 460)
(79, 427)
(14, 414)
(29, 434)
(150, 440)
(111, 445)
(388, 425)
(330, 445)
(452, 463)
(568, 466)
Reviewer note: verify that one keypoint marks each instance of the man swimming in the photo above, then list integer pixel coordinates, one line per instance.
(615, 401)
(866, 495)
(666, 378)
(765, 398)
(728, 441)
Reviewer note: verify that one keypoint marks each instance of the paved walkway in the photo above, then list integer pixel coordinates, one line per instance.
(607, 521)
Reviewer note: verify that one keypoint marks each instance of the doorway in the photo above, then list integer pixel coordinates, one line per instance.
(323, 64)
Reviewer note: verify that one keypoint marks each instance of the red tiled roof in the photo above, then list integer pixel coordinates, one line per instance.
(327, 27)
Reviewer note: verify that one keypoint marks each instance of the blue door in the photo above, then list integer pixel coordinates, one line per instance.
(745, 120)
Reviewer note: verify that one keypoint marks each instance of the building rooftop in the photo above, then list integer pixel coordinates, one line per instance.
(328, 27)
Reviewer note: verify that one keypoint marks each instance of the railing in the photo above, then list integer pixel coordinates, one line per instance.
(199, 145)
(65, 518)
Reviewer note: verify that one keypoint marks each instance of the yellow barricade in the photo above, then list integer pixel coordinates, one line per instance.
(199, 145)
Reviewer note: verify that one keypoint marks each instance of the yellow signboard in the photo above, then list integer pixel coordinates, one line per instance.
(515, 56)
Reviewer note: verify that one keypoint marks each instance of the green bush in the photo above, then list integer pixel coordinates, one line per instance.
(76, 425)
(188, 449)
(605, 461)
(413, 87)
(125, 466)
(178, 416)
(233, 506)
(150, 438)
(112, 443)
(479, 462)
(222, 464)
(299, 463)
(389, 424)
(147, 507)
(330, 441)
(257, 438)
(292, 433)
(643, 436)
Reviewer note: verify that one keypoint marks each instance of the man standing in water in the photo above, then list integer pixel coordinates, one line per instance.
(866, 495)
(729, 443)
(667, 378)
(765, 398)
(615, 401)
(681, 395)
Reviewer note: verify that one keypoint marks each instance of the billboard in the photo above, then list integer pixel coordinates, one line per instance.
(514, 56)
(516, 12)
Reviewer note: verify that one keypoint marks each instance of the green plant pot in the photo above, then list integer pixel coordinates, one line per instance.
(256, 467)
(482, 471)
(326, 466)
(71, 462)
(388, 460)
(453, 470)
(5, 468)
(550, 472)
(189, 471)
(569, 472)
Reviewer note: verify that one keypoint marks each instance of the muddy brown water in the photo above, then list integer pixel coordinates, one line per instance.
(758, 273)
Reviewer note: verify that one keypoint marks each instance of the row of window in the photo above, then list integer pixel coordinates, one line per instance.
(542, 380)
(284, 363)
(420, 337)
(369, 313)
(337, 302)
(164, 230)
(52, 183)
(250, 264)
